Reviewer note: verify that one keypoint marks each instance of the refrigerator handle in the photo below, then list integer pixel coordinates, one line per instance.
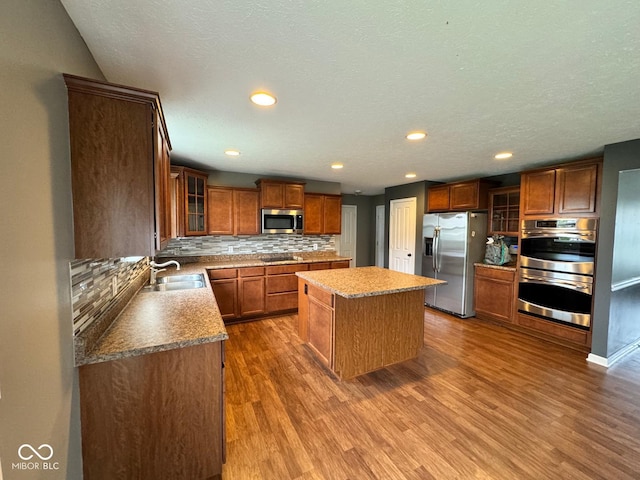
(436, 244)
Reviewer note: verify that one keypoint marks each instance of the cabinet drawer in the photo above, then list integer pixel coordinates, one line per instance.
(496, 273)
(280, 302)
(320, 266)
(279, 269)
(282, 283)
(223, 273)
(321, 295)
(251, 272)
(340, 264)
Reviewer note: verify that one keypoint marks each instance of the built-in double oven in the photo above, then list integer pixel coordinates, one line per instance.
(556, 269)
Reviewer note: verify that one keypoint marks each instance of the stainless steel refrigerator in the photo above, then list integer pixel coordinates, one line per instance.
(452, 243)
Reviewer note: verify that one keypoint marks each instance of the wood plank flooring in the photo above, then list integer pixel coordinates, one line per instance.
(480, 402)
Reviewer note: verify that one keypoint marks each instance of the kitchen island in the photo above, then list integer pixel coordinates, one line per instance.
(358, 320)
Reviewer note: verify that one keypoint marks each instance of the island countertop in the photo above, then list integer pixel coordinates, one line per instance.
(366, 281)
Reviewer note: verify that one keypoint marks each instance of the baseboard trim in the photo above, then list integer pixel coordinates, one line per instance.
(620, 354)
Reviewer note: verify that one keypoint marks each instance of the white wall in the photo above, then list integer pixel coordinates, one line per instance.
(39, 396)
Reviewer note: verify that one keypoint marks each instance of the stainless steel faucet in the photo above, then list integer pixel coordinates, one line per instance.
(158, 267)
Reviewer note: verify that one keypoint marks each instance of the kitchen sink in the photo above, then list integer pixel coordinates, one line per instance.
(177, 282)
(194, 277)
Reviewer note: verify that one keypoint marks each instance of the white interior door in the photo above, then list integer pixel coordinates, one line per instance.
(347, 243)
(380, 236)
(402, 235)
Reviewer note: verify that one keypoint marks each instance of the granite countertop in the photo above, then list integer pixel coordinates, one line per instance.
(366, 281)
(157, 321)
(512, 266)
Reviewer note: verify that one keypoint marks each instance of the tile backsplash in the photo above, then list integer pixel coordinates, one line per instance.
(96, 283)
(228, 245)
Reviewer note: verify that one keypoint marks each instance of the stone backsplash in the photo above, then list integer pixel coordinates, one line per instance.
(227, 245)
(98, 284)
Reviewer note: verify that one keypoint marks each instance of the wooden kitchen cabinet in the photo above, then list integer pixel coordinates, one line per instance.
(224, 283)
(282, 287)
(459, 196)
(504, 211)
(322, 214)
(246, 211)
(239, 292)
(162, 175)
(233, 211)
(281, 194)
(159, 415)
(220, 220)
(195, 202)
(357, 335)
(565, 190)
(189, 201)
(494, 293)
(119, 169)
(251, 291)
(438, 198)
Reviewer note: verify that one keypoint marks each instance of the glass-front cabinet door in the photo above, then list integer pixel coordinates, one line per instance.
(196, 203)
(504, 211)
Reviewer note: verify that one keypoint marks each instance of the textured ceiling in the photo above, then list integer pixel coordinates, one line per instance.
(550, 81)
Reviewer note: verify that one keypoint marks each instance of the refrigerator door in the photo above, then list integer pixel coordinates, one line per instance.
(429, 226)
(451, 259)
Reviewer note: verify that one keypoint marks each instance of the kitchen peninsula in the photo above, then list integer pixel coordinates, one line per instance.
(358, 320)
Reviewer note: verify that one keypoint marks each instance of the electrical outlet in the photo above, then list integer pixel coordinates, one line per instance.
(230, 249)
(114, 286)
(315, 246)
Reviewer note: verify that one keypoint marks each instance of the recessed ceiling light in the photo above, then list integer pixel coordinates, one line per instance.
(337, 166)
(410, 175)
(503, 155)
(263, 99)
(416, 135)
(232, 153)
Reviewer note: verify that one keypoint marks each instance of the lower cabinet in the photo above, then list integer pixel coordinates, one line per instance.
(250, 292)
(494, 293)
(251, 283)
(239, 292)
(282, 287)
(159, 415)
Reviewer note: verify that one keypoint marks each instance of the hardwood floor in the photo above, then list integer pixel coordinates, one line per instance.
(479, 402)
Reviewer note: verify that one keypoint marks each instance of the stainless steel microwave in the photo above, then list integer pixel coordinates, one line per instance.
(282, 221)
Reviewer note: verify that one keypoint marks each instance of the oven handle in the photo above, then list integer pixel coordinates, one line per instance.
(580, 236)
(547, 281)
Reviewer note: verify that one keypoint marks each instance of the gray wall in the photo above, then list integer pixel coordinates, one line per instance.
(418, 190)
(365, 239)
(616, 322)
(38, 381)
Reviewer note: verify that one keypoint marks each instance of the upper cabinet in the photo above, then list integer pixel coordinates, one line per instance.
(119, 169)
(459, 196)
(233, 211)
(565, 190)
(504, 211)
(195, 202)
(281, 194)
(188, 201)
(322, 214)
